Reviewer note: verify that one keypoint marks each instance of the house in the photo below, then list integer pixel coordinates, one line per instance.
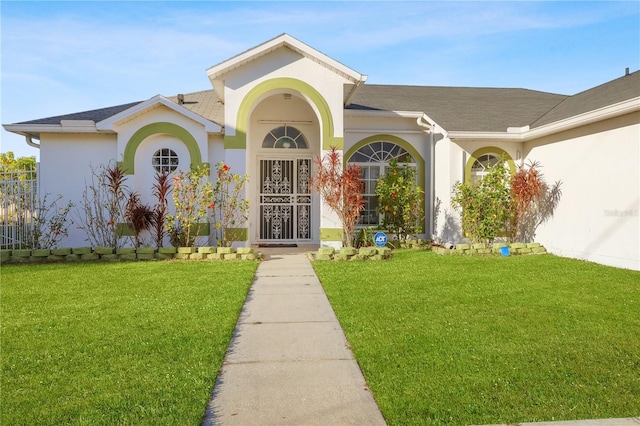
(273, 108)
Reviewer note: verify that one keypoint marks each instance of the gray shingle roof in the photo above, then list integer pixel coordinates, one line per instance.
(613, 92)
(454, 108)
(461, 108)
(96, 115)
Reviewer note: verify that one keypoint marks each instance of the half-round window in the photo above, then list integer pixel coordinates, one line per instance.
(285, 137)
(165, 160)
(373, 160)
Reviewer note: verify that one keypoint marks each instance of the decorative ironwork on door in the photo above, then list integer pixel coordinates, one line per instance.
(285, 199)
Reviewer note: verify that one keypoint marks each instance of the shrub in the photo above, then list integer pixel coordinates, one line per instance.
(401, 200)
(102, 206)
(230, 208)
(341, 191)
(192, 194)
(485, 205)
(532, 201)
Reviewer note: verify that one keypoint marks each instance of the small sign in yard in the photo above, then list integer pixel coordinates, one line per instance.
(380, 239)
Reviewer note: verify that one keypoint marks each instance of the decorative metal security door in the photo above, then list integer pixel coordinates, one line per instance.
(285, 199)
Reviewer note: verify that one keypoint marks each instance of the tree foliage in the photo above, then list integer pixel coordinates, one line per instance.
(8, 163)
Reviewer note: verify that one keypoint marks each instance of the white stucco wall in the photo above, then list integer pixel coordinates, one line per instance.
(288, 64)
(65, 169)
(598, 215)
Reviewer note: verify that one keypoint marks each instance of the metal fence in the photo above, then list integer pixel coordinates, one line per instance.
(18, 208)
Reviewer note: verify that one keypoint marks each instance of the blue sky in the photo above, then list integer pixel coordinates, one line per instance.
(63, 57)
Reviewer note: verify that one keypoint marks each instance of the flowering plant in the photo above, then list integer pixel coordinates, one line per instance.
(192, 193)
(229, 207)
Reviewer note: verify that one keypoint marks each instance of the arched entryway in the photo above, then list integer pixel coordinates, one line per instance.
(283, 137)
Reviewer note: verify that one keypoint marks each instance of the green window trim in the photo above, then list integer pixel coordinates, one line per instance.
(487, 150)
(127, 164)
(239, 140)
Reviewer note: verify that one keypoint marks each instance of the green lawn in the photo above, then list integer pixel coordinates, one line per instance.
(481, 340)
(115, 343)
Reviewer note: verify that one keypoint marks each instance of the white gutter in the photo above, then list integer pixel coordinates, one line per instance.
(30, 141)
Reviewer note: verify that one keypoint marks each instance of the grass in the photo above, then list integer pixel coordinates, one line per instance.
(117, 343)
(482, 340)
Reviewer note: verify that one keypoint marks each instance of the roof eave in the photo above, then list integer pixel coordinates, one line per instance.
(65, 126)
(109, 123)
(610, 111)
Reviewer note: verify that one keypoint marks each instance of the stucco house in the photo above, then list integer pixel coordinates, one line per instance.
(271, 109)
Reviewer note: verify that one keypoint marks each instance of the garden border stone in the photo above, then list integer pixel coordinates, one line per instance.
(127, 254)
(481, 249)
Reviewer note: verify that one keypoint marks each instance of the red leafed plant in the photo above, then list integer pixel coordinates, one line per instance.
(161, 190)
(341, 191)
(532, 201)
(139, 215)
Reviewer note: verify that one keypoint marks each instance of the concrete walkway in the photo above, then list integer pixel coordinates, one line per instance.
(288, 362)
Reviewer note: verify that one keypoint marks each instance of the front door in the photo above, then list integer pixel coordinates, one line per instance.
(285, 200)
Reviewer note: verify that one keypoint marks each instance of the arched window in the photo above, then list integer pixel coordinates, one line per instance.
(482, 159)
(285, 137)
(374, 159)
(482, 164)
(165, 160)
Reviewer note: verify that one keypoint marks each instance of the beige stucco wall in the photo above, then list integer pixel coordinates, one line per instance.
(599, 167)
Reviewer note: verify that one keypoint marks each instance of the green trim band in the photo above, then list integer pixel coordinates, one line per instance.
(127, 164)
(331, 234)
(237, 234)
(239, 140)
(487, 150)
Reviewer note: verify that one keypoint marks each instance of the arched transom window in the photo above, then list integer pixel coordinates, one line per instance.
(285, 137)
(374, 159)
(481, 166)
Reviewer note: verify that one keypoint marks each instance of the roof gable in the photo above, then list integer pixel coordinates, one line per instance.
(217, 72)
(108, 123)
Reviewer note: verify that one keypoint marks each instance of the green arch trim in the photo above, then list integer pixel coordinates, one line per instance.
(239, 140)
(487, 150)
(127, 164)
(398, 141)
